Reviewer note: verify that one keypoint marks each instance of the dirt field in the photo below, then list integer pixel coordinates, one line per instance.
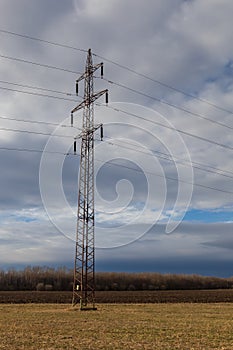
(189, 296)
(117, 327)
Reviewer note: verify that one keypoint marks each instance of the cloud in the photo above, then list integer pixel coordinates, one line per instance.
(185, 251)
(184, 44)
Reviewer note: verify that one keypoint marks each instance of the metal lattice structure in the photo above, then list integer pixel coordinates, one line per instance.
(84, 266)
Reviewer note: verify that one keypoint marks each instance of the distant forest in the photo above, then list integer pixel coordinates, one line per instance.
(61, 279)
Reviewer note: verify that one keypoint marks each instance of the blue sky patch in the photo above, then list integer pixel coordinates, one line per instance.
(208, 216)
(25, 219)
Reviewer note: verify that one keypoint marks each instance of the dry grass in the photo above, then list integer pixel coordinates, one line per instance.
(117, 327)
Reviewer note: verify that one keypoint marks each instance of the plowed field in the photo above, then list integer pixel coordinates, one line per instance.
(190, 296)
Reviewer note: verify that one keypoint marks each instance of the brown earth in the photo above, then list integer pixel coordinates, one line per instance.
(189, 296)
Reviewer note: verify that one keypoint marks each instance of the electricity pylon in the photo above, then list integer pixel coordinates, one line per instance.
(84, 265)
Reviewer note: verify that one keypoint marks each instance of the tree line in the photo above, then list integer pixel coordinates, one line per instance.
(61, 279)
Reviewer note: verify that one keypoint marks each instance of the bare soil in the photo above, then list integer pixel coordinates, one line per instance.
(179, 296)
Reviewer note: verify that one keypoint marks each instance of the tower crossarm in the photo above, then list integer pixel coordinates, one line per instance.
(89, 100)
(86, 132)
(92, 70)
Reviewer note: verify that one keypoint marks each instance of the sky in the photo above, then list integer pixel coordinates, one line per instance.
(163, 172)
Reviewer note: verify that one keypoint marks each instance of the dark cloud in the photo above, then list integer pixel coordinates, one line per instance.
(168, 265)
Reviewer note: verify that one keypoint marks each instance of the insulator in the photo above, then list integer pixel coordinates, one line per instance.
(76, 88)
(101, 132)
(75, 147)
(106, 97)
(102, 70)
(72, 119)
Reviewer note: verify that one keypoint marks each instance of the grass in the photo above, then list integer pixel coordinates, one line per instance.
(117, 327)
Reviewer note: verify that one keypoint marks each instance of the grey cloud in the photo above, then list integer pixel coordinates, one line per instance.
(225, 244)
(183, 43)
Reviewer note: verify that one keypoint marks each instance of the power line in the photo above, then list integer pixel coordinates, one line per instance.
(35, 151)
(170, 178)
(170, 104)
(70, 99)
(42, 40)
(34, 132)
(115, 109)
(38, 94)
(163, 84)
(119, 165)
(110, 82)
(39, 64)
(40, 122)
(120, 66)
(37, 88)
(201, 164)
(33, 121)
(121, 85)
(165, 156)
(162, 156)
(185, 161)
(133, 90)
(171, 128)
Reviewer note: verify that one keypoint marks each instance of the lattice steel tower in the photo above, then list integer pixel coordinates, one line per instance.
(84, 265)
